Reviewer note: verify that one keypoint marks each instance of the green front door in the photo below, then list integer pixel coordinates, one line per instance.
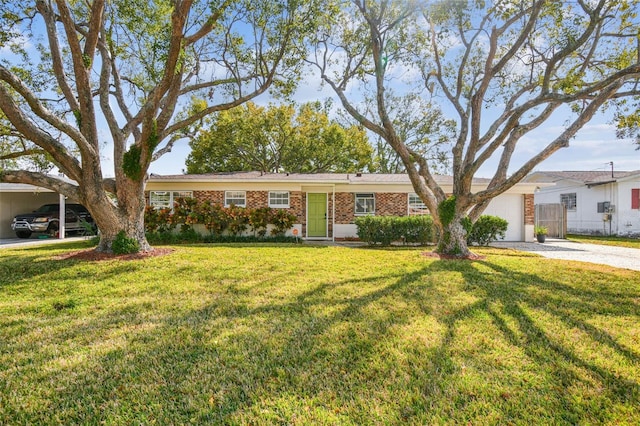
(316, 215)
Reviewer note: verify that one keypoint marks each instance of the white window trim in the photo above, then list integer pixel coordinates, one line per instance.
(355, 203)
(280, 206)
(425, 210)
(575, 204)
(172, 198)
(244, 194)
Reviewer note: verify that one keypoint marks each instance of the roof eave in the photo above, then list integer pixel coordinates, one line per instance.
(210, 180)
(604, 182)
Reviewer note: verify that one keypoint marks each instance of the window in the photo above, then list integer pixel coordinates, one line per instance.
(237, 198)
(166, 199)
(603, 207)
(279, 199)
(569, 201)
(635, 198)
(365, 204)
(416, 206)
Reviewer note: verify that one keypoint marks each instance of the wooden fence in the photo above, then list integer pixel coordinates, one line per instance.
(554, 217)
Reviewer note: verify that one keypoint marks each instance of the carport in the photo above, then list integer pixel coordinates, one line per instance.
(16, 198)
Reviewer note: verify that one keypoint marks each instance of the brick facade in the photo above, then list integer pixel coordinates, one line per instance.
(345, 207)
(257, 199)
(215, 197)
(387, 204)
(391, 204)
(529, 209)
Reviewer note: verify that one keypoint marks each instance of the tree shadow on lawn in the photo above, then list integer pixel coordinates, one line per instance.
(532, 318)
(21, 265)
(405, 347)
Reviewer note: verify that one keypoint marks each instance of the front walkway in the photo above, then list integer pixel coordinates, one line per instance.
(618, 257)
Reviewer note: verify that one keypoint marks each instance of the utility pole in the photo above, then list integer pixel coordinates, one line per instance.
(611, 163)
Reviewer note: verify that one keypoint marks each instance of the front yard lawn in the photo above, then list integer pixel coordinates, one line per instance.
(284, 334)
(606, 241)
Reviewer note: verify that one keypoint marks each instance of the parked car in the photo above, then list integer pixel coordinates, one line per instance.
(46, 220)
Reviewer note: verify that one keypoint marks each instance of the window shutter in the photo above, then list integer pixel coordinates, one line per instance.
(635, 198)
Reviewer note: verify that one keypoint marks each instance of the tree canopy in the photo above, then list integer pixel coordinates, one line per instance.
(134, 77)
(499, 70)
(278, 139)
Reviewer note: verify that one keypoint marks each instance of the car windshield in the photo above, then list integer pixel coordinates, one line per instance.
(48, 208)
(78, 208)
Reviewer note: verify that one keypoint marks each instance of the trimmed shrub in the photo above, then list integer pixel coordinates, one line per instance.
(124, 245)
(415, 229)
(374, 229)
(487, 229)
(386, 229)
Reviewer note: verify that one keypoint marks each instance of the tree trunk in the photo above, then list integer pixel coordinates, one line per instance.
(453, 239)
(127, 215)
(133, 228)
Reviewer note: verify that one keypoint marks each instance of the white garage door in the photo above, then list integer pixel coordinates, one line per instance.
(511, 208)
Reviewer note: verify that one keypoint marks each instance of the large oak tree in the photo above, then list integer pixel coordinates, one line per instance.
(500, 69)
(135, 76)
(279, 138)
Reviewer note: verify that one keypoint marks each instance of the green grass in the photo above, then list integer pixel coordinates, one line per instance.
(283, 334)
(607, 241)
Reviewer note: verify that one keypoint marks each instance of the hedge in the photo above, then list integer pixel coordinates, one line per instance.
(486, 229)
(384, 230)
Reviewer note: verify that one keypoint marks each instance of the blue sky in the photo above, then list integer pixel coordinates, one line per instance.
(594, 147)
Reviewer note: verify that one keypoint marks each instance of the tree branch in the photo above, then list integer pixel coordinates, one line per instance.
(40, 179)
(54, 48)
(18, 154)
(32, 131)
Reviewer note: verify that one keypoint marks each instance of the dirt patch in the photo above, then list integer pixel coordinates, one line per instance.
(91, 255)
(435, 255)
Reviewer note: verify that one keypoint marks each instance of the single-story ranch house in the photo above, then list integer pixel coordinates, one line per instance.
(326, 204)
(597, 202)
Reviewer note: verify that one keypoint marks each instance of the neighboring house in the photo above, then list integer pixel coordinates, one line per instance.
(326, 204)
(598, 202)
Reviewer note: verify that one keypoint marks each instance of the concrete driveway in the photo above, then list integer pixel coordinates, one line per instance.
(618, 257)
(34, 241)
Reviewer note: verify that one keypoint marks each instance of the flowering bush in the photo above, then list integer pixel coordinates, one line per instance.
(281, 220)
(216, 219)
(259, 219)
(158, 220)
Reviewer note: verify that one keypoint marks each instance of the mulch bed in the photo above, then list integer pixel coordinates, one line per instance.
(91, 255)
(433, 254)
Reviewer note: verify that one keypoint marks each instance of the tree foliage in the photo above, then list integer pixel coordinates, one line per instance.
(499, 70)
(135, 77)
(279, 139)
